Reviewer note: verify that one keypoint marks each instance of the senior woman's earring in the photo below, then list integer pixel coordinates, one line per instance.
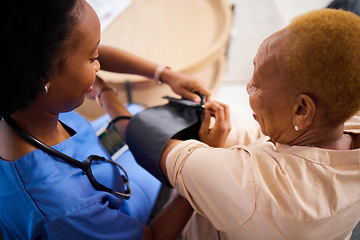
(296, 128)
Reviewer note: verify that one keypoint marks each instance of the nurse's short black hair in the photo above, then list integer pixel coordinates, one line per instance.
(33, 36)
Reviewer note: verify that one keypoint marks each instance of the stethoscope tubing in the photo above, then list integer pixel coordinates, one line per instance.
(85, 166)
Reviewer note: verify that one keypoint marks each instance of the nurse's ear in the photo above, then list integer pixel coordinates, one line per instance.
(304, 111)
(46, 88)
(46, 85)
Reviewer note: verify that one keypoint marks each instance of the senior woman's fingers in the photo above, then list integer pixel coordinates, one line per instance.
(205, 125)
(226, 115)
(217, 135)
(222, 117)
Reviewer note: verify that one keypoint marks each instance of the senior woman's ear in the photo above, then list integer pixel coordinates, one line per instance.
(303, 112)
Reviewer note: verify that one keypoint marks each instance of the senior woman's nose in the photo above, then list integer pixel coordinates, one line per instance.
(249, 86)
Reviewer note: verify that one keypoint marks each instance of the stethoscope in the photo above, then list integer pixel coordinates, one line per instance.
(85, 166)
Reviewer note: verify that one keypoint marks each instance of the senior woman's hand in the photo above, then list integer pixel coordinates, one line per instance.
(185, 85)
(215, 136)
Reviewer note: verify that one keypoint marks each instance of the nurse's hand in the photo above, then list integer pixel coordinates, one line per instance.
(185, 85)
(216, 135)
(97, 86)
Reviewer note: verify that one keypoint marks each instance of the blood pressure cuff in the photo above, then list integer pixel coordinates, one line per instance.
(149, 131)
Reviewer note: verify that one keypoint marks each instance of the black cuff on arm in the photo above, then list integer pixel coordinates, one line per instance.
(149, 131)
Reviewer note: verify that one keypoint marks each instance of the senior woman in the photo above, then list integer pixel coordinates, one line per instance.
(297, 174)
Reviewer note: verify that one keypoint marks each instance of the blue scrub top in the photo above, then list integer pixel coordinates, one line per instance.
(43, 196)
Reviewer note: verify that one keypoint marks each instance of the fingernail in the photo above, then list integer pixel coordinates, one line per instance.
(196, 100)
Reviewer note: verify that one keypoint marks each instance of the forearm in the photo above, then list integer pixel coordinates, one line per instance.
(111, 104)
(117, 60)
(172, 220)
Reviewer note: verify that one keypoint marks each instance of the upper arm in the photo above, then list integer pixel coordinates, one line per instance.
(169, 146)
(205, 176)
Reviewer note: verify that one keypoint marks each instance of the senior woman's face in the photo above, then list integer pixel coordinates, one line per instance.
(268, 97)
